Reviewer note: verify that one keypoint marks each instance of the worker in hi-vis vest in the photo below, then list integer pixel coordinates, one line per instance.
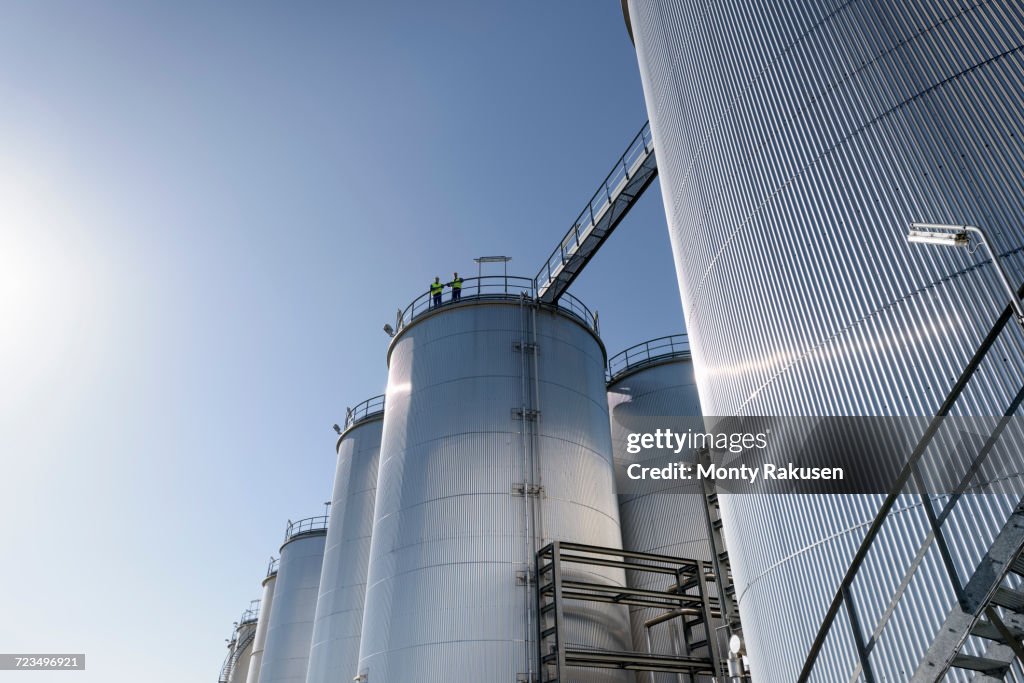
(456, 285)
(436, 288)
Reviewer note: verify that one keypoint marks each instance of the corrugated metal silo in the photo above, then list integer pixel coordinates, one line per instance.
(262, 622)
(334, 655)
(796, 141)
(290, 628)
(655, 379)
(496, 440)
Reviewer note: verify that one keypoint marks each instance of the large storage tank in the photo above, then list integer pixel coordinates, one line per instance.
(262, 623)
(290, 628)
(654, 379)
(489, 451)
(334, 655)
(245, 635)
(796, 140)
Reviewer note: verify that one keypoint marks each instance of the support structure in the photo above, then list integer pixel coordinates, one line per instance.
(688, 597)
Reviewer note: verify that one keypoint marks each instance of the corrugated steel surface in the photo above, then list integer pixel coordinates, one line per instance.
(671, 522)
(334, 655)
(796, 140)
(260, 641)
(443, 600)
(290, 629)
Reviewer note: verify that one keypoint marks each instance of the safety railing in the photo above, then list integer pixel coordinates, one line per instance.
(625, 168)
(272, 565)
(371, 406)
(909, 483)
(647, 352)
(251, 614)
(305, 526)
(492, 288)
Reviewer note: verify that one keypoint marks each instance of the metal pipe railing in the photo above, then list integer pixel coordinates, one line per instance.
(653, 350)
(494, 287)
(371, 406)
(304, 526)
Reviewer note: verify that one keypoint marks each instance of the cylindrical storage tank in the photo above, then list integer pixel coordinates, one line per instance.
(290, 629)
(796, 141)
(654, 379)
(496, 442)
(262, 623)
(245, 635)
(334, 655)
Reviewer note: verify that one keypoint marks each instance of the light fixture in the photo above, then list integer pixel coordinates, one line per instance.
(923, 233)
(957, 236)
(337, 429)
(390, 331)
(735, 644)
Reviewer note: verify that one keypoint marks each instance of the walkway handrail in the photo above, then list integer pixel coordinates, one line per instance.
(638, 150)
(644, 353)
(251, 614)
(493, 287)
(273, 565)
(371, 406)
(842, 594)
(305, 526)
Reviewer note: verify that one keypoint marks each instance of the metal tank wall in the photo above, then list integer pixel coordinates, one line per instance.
(655, 379)
(796, 140)
(262, 623)
(452, 533)
(290, 628)
(334, 654)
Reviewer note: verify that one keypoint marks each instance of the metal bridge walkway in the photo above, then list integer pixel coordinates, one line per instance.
(631, 175)
(986, 606)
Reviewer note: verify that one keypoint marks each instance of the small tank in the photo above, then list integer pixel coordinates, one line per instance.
(334, 654)
(262, 622)
(655, 379)
(290, 628)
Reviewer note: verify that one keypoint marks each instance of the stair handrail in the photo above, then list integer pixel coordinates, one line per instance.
(909, 469)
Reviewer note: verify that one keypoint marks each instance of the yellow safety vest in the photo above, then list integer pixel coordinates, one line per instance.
(436, 288)
(457, 283)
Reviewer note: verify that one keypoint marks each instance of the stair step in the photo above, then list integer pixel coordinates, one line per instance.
(1017, 567)
(712, 499)
(985, 629)
(992, 667)
(1010, 599)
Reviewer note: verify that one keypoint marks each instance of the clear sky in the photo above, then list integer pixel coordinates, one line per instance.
(207, 213)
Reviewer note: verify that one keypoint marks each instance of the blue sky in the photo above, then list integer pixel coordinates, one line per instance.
(207, 213)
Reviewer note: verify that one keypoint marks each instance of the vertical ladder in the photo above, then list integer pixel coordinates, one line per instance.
(720, 554)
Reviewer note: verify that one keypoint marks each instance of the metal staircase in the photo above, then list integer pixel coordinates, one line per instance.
(990, 605)
(720, 563)
(631, 175)
(988, 608)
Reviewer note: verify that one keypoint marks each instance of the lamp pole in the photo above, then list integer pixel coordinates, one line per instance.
(956, 235)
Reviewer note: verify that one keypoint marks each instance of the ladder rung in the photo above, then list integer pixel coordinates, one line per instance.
(987, 630)
(1010, 599)
(981, 664)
